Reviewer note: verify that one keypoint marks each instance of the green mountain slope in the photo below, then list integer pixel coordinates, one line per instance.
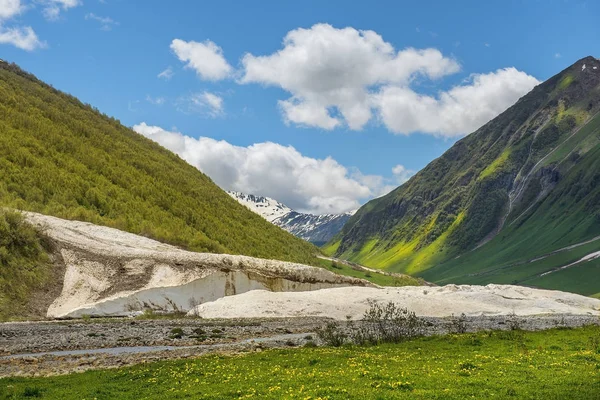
(63, 158)
(523, 186)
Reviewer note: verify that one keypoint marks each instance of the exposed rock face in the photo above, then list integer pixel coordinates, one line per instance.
(114, 273)
(352, 302)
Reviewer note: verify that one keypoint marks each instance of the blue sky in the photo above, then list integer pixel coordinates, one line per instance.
(344, 90)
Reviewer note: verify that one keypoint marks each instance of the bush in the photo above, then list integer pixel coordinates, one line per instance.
(24, 263)
(176, 333)
(332, 335)
(387, 323)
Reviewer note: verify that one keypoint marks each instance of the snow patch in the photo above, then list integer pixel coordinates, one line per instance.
(113, 273)
(316, 228)
(352, 302)
(266, 207)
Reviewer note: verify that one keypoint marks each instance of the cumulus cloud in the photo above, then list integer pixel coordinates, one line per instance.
(52, 8)
(460, 110)
(21, 37)
(205, 58)
(342, 77)
(281, 172)
(10, 8)
(167, 74)
(106, 23)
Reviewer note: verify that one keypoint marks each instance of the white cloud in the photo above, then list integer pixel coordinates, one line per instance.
(324, 68)
(205, 58)
(106, 23)
(460, 110)
(10, 8)
(206, 103)
(557, 55)
(270, 169)
(402, 174)
(157, 101)
(22, 37)
(167, 74)
(52, 8)
(340, 77)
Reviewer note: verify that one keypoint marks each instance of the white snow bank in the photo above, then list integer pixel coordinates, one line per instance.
(112, 273)
(339, 303)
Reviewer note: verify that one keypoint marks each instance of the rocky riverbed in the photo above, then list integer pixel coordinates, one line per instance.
(24, 346)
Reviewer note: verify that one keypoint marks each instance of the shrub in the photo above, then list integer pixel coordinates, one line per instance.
(332, 335)
(24, 263)
(176, 333)
(387, 323)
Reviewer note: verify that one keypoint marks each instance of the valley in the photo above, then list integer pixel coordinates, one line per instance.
(230, 201)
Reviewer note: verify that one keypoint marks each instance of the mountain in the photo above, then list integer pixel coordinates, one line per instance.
(317, 229)
(63, 158)
(517, 201)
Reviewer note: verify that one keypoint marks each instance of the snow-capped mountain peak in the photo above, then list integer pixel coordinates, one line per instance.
(318, 229)
(266, 207)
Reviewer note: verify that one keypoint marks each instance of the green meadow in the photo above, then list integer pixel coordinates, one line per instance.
(555, 364)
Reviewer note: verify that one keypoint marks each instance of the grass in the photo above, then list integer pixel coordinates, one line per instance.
(331, 248)
(565, 82)
(580, 278)
(495, 165)
(559, 221)
(25, 267)
(374, 277)
(555, 364)
(406, 257)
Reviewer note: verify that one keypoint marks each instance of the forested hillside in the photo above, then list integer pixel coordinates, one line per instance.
(64, 158)
(514, 202)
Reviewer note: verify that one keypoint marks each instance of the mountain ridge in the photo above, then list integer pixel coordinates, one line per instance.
(492, 187)
(317, 229)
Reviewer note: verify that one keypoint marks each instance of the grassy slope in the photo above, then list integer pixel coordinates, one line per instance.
(63, 158)
(377, 278)
(557, 364)
(430, 225)
(557, 222)
(24, 265)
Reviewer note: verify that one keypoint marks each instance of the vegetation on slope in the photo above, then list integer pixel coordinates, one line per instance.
(63, 158)
(524, 185)
(378, 278)
(556, 364)
(24, 264)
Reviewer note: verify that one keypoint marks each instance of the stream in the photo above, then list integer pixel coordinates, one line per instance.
(115, 351)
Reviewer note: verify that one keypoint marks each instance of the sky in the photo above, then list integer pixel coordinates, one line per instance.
(320, 105)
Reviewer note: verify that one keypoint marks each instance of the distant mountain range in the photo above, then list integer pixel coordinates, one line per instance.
(317, 229)
(517, 201)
